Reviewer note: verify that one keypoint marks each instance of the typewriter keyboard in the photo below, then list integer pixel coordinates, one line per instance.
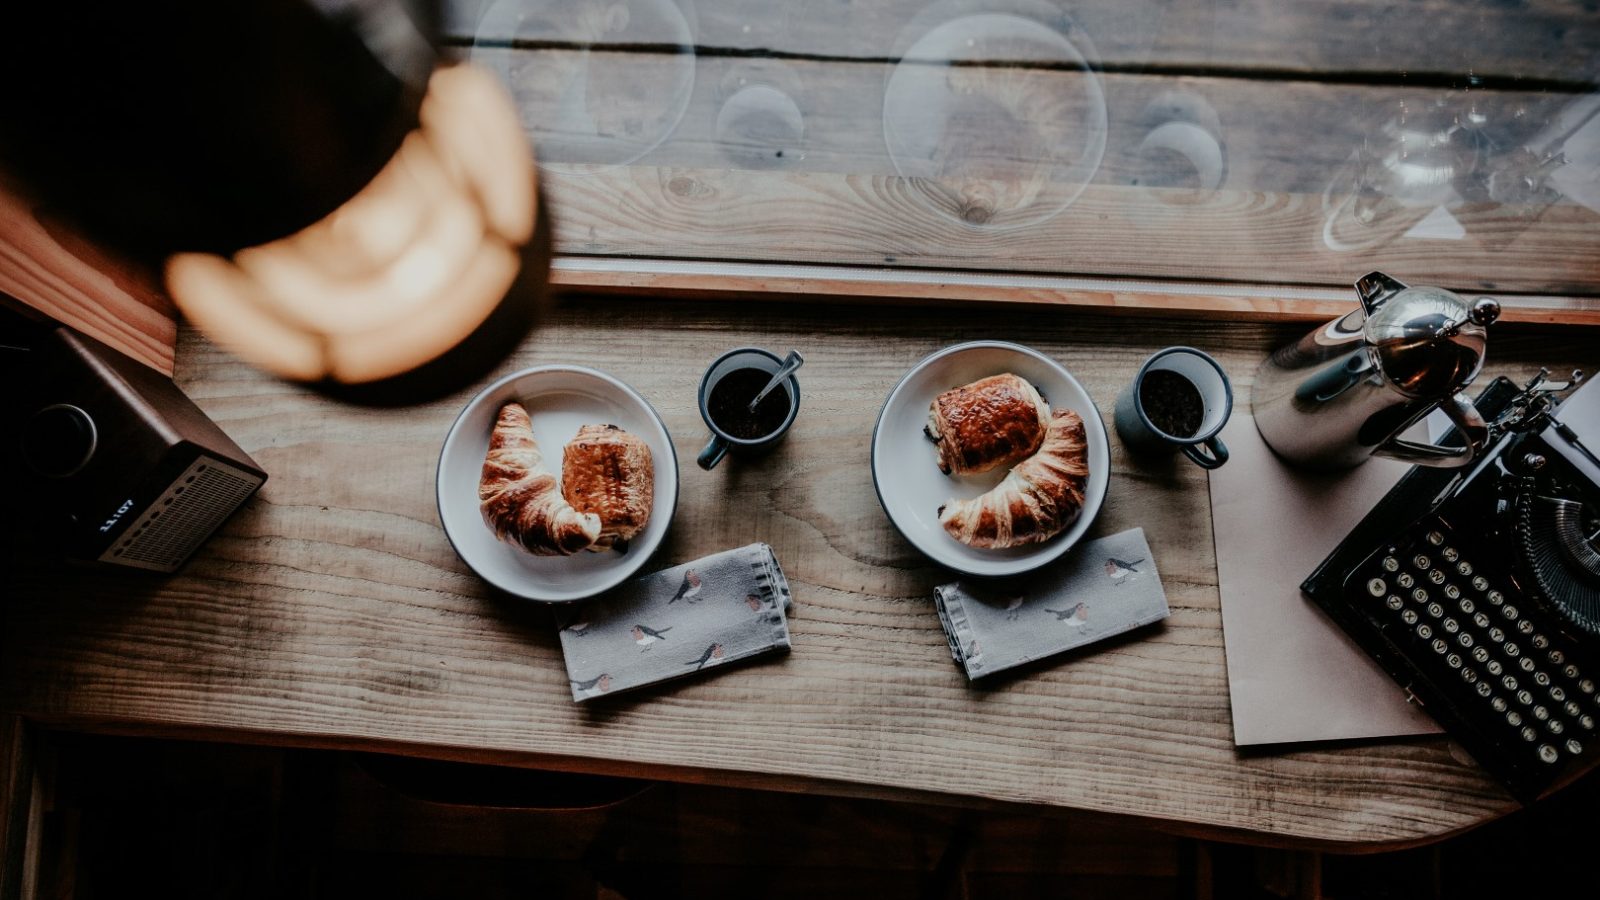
(1492, 658)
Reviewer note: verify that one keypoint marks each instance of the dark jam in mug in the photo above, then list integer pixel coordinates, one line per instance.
(730, 401)
(1172, 403)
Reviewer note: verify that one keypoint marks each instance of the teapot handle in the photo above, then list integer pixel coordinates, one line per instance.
(1468, 421)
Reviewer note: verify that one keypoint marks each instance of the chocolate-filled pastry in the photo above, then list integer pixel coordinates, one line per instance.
(608, 472)
(992, 422)
(520, 498)
(1036, 502)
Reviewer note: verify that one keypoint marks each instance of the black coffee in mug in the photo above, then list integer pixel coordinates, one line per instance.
(1172, 403)
(729, 404)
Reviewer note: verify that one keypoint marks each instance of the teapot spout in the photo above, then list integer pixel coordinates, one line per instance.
(1375, 288)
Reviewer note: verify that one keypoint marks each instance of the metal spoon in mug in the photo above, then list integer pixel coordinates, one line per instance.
(790, 363)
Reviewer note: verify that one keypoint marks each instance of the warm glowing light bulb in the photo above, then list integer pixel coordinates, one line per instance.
(401, 273)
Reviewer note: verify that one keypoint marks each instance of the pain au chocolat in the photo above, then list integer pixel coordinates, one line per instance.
(520, 498)
(992, 422)
(608, 472)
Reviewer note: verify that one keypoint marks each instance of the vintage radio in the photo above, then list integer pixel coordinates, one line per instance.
(121, 467)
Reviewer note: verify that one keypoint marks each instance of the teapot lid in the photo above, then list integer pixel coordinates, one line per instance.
(1428, 342)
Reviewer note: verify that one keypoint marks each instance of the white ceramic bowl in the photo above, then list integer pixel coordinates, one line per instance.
(907, 477)
(559, 399)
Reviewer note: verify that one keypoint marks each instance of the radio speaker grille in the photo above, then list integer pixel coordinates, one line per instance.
(185, 514)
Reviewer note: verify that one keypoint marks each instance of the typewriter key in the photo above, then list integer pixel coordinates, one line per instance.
(1469, 676)
(1514, 718)
(1496, 635)
(1540, 713)
(1450, 554)
(1390, 564)
(1405, 580)
(1481, 620)
(1493, 666)
(1439, 646)
(1556, 693)
(1454, 660)
(1555, 726)
(1574, 747)
(1451, 625)
(1548, 753)
(1435, 538)
(1529, 734)
(1422, 562)
(1482, 584)
(1509, 611)
(1571, 671)
(1510, 682)
(1409, 617)
(1557, 657)
(1586, 720)
(1585, 685)
(1435, 609)
(1480, 654)
(1464, 567)
(1394, 602)
(1467, 606)
(1420, 595)
(1526, 663)
(1465, 639)
(1436, 576)
(1525, 698)
(1576, 712)
(1525, 626)
(1424, 632)
(1499, 704)
(1543, 680)
(1377, 588)
(1511, 649)
(1540, 642)
(1484, 689)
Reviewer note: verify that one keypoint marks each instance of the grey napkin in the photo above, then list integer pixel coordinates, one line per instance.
(677, 622)
(1099, 589)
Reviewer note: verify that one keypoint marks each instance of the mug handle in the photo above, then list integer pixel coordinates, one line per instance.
(713, 453)
(1212, 460)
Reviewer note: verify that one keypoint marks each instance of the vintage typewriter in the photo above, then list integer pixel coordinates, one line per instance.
(1479, 590)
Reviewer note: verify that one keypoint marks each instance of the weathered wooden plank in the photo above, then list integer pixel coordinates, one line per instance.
(1557, 39)
(332, 611)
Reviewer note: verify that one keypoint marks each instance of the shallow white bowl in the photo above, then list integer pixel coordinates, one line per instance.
(905, 467)
(560, 400)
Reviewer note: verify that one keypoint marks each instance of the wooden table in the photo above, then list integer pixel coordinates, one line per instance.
(332, 612)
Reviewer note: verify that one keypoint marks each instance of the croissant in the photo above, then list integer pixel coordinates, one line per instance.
(520, 498)
(608, 472)
(1038, 499)
(989, 423)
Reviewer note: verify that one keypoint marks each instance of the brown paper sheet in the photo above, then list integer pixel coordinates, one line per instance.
(1292, 673)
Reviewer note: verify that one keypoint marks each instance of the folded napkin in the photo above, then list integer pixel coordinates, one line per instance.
(1099, 589)
(677, 622)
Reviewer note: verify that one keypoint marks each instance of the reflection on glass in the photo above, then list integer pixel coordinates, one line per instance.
(996, 119)
(606, 81)
(760, 124)
(1182, 152)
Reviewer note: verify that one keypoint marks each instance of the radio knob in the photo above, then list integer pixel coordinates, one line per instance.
(58, 440)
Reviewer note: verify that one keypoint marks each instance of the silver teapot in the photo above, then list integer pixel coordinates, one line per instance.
(1348, 391)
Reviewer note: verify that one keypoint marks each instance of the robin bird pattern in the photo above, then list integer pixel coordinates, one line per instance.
(689, 590)
(578, 629)
(644, 635)
(594, 687)
(711, 657)
(1014, 606)
(1119, 571)
(1074, 617)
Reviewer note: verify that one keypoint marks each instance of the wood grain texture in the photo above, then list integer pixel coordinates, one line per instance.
(332, 611)
(20, 810)
(52, 270)
(1539, 38)
(1282, 212)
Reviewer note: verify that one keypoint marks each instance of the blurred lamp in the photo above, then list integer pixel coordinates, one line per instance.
(322, 198)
